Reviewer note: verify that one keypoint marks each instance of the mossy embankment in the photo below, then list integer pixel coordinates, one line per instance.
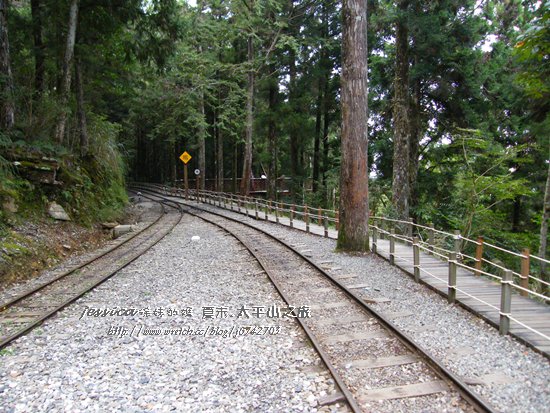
(91, 190)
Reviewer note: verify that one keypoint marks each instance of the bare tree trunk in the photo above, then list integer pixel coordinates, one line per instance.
(202, 143)
(295, 159)
(317, 143)
(326, 115)
(38, 47)
(321, 106)
(219, 159)
(247, 164)
(82, 120)
(7, 105)
(544, 227)
(235, 166)
(354, 175)
(66, 77)
(414, 147)
(326, 123)
(175, 162)
(272, 137)
(401, 121)
(202, 131)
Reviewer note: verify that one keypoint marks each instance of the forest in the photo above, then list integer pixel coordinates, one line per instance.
(115, 90)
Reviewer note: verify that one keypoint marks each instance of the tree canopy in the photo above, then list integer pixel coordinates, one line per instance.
(458, 108)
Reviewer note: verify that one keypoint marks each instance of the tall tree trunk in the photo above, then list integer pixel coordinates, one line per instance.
(295, 159)
(414, 147)
(219, 159)
(401, 121)
(66, 76)
(81, 111)
(544, 227)
(321, 105)
(247, 164)
(174, 161)
(326, 123)
(326, 88)
(202, 143)
(317, 143)
(235, 166)
(39, 59)
(7, 105)
(202, 130)
(272, 136)
(354, 174)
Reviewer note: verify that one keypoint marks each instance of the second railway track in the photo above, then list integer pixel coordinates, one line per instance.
(22, 313)
(349, 335)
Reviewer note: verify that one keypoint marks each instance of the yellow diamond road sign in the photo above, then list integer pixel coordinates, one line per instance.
(185, 157)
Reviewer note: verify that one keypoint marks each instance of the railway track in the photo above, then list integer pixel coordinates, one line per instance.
(376, 366)
(24, 312)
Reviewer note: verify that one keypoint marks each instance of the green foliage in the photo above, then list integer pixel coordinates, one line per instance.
(533, 51)
(157, 74)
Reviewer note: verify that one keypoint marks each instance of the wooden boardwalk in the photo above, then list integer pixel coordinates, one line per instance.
(478, 294)
(434, 273)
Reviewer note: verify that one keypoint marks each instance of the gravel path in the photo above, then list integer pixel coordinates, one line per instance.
(509, 375)
(80, 362)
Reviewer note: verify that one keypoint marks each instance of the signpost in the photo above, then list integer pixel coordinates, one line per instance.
(197, 173)
(185, 158)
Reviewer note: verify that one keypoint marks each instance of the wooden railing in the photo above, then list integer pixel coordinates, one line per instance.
(454, 249)
(257, 185)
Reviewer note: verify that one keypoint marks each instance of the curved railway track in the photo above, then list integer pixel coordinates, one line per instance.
(29, 309)
(390, 355)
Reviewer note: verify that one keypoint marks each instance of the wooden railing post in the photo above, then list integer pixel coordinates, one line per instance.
(319, 217)
(239, 204)
(269, 206)
(451, 292)
(525, 271)
(392, 246)
(479, 256)
(246, 206)
(292, 216)
(265, 212)
(224, 202)
(306, 218)
(325, 225)
(505, 302)
(457, 243)
(374, 238)
(416, 259)
(256, 208)
(431, 239)
(276, 212)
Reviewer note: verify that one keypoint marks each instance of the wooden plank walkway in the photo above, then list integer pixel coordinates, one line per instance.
(434, 273)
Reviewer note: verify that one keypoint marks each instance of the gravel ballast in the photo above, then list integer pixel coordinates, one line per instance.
(506, 373)
(77, 361)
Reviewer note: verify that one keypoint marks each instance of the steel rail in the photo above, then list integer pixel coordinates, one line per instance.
(7, 340)
(4, 306)
(350, 400)
(475, 400)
